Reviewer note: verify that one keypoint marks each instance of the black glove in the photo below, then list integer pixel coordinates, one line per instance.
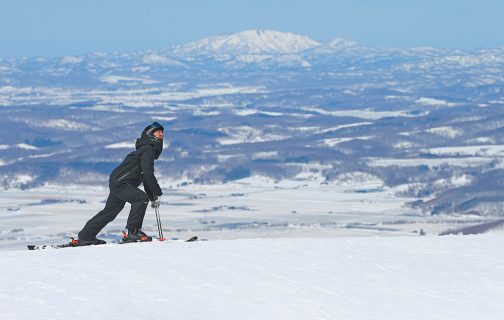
(156, 202)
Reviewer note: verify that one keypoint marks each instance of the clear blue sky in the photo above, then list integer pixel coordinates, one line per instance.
(60, 27)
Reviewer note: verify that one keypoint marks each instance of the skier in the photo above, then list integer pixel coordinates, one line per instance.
(137, 167)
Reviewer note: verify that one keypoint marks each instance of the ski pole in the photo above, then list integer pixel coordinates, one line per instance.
(158, 222)
(160, 228)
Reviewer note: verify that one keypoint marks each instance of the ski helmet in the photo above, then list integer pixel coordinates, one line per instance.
(153, 127)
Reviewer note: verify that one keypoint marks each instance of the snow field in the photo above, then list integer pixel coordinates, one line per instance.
(333, 278)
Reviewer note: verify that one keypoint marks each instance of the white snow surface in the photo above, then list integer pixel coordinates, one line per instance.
(363, 114)
(162, 60)
(116, 79)
(121, 145)
(434, 102)
(457, 277)
(341, 43)
(106, 99)
(26, 146)
(449, 132)
(71, 60)
(61, 124)
(496, 151)
(247, 134)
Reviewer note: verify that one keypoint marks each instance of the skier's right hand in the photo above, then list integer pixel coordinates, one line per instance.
(156, 202)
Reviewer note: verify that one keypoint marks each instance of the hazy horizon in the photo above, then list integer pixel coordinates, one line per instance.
(54, 28)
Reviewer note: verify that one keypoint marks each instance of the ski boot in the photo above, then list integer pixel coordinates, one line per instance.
(85, 242)
(135, 236)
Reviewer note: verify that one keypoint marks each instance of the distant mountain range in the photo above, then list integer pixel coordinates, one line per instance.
(427, 122)
(257, 48)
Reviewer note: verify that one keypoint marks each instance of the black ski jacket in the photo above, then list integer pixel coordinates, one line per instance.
(138, 167)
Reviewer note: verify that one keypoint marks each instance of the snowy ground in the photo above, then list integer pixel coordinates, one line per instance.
(453, 277)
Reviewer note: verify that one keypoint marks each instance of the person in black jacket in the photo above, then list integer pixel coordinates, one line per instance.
(137, 167)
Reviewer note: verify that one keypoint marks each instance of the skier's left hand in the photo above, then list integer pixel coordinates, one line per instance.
(156, 202)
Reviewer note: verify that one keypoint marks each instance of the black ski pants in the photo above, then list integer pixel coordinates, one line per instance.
(119, 195)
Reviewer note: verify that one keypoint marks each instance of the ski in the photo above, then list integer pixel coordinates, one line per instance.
(48, 246)
(56, 246)
(73, 245)
(191, 239)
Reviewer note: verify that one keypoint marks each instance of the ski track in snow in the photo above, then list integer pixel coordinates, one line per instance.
(332, 278)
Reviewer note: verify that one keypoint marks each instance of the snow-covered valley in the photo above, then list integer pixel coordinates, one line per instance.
(254, 207)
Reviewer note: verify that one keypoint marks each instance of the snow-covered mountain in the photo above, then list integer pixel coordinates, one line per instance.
(249, 42)
(340, 43)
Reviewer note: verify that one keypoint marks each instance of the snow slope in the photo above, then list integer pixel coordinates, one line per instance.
(327, 278)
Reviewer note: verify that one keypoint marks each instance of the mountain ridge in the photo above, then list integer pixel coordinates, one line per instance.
(249, 42)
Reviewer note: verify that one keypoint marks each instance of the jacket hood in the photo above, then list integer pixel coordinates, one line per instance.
(146, 140)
